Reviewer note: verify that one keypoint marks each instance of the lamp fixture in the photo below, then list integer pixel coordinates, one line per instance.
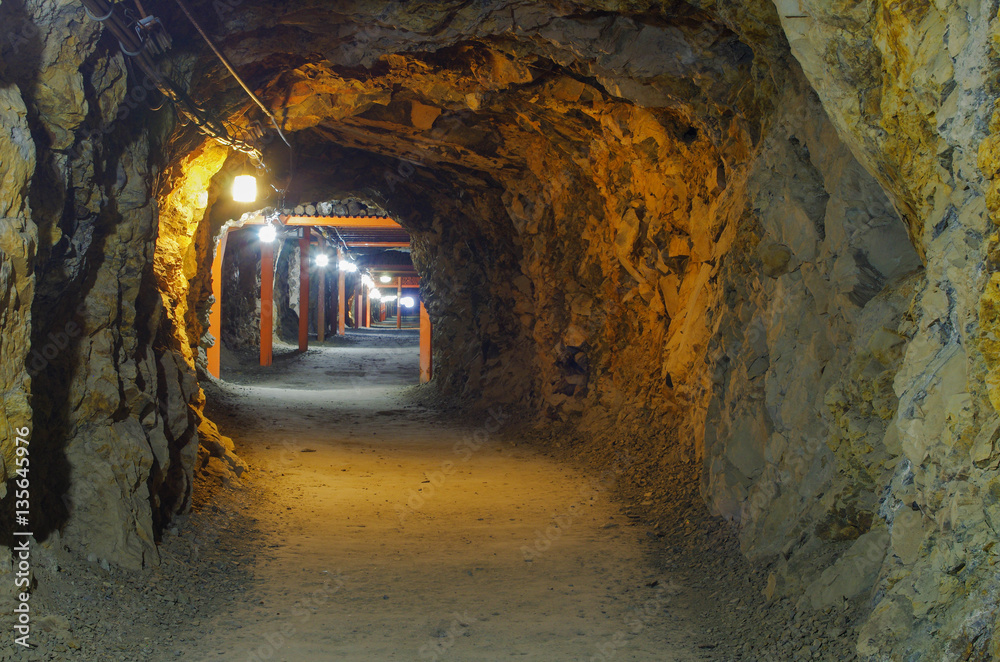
(407, 302)
(385, 278)
(245, 188)
(322, 260)
(347, 266)
(375, 294)
(389, 299)
(268, 233)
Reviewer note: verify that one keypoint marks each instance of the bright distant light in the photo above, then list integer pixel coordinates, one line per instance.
(375, 294)
(368, 282)
(322, 260)
(407, 301)
(349, 267)
(245, 188)
(389, 299)
(385, 279)
(268, 233)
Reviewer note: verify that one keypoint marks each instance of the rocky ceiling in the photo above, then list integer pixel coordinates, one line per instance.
(458, 83)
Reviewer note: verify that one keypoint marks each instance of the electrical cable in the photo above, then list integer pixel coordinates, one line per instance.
(99, 19)
(232, 70)
(132, 44)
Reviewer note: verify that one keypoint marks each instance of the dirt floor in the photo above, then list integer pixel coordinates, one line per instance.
(372, 527)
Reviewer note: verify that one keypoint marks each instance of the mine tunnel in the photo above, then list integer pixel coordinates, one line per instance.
(558, 330)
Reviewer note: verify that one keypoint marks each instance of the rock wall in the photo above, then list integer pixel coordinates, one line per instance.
(18, 241)
(750, 245)
(94, 362)
(710, 246)
(89, 198)
(918, 124)
(811, 325)
(241, 284)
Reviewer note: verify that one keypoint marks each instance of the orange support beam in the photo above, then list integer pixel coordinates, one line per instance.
(304, 290)
(341, 291)
(266, 301)
(425, 345)
(378, 244)
(215, 316)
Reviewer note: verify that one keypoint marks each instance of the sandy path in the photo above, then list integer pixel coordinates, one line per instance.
(396, 536)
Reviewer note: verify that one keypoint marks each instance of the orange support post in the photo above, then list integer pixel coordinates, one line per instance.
(341, 292)
(357, 304)
(215, 316)
(321, 307)
(304, 290)
(366, 306)
(266, 301)
(399, 303)
(425, 345)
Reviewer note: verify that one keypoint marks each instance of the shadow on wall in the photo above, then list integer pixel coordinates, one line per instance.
(20, 54)
(241, 285)
(55, 364)
(286, 291)
(21, 46)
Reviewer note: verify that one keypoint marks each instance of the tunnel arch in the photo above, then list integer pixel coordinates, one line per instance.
(679, 194)
(672, 188)
(727, 241)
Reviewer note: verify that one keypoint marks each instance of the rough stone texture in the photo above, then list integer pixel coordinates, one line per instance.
(909, 88)
(709, 261)
(182, 210)
(18, 238)
(183, 281)
(241, 284)
(749, 240)
(114, 432)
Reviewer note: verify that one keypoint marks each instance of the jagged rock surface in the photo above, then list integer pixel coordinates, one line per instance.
(751, 240)
(114, 403)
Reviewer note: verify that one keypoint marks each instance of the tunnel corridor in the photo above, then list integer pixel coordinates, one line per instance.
(704, 357)
(377, 527)
(392, 532)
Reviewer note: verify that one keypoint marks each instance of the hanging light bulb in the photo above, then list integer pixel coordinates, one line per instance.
(385, 279)
(368, 282)
(322, 260)
(389, 299)
(407, 302)
(245, 188)
(348, 266)
(268, 233)
(375, 294)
